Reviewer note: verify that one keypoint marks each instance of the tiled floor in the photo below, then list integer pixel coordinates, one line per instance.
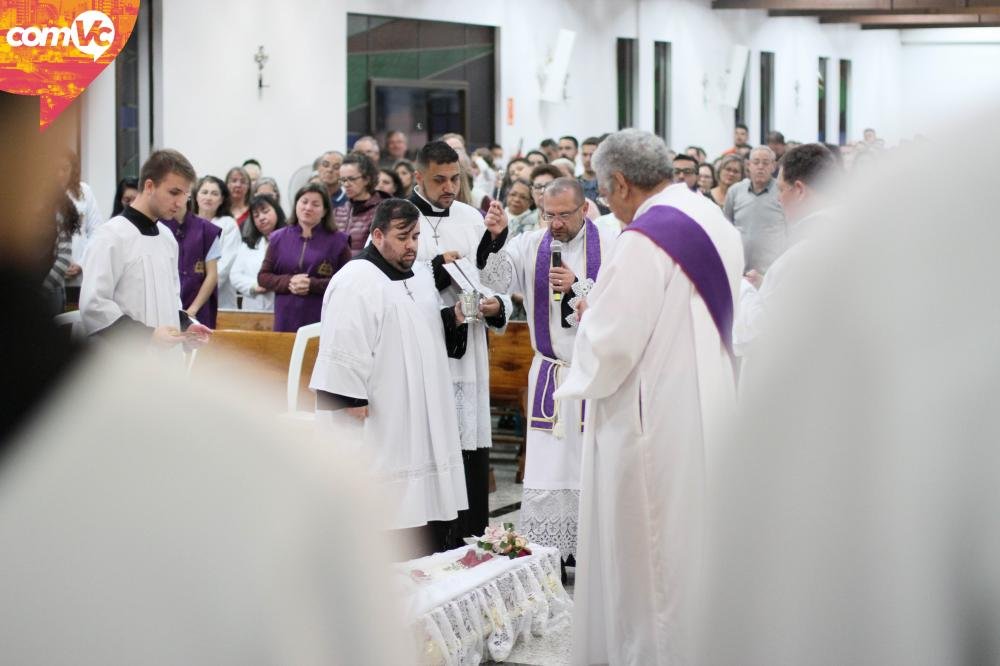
(550, 650)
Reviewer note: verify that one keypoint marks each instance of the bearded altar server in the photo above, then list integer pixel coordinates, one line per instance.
(382, 375)
(130, 278)
(451, 230)
(198, 252)
(554, 268)
(653, 359)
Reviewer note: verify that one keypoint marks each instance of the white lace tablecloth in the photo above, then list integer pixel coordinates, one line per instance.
(463, 615)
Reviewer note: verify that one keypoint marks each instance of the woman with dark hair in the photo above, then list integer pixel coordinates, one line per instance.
(68, 175)
(301, 259)
(359, 178)
(536, 158)
(389, 183)
(238, 182)
(706, 179)
(125, 194)
(405, 170)
(212, 202)
(67, 220)
(198, 256)
(266, 217)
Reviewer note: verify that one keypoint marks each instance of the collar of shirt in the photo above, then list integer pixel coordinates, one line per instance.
(425, 206)
(145, 225)
(764, 190)
(371, 253)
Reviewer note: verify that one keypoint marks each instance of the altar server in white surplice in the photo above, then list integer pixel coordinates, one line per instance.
(450, 230)
(382, 377)
(653, 360)
(551, 503)
(130, 279)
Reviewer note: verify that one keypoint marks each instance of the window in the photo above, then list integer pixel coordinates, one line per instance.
(661, 90)
(766, 95)
(821, 101)
(741, 106)
(845, 87)
(627, 60)
(127, 108)
(420, 77)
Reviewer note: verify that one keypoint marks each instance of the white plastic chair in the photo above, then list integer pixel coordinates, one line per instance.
(73, 319)
(302, 338)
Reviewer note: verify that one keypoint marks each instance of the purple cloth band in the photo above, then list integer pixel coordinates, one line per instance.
(689, 245)
(545, 385)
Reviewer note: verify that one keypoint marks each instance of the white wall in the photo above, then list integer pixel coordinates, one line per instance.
(947, 76)
(211, 110)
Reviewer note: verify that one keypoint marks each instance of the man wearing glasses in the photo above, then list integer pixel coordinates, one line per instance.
(752, 206)
(686, 171)
(328, 170)
(550, 506)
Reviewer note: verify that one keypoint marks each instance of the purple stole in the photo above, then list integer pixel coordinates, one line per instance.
(687, 243)
(194, 239)
(319, 257)
(543, 407)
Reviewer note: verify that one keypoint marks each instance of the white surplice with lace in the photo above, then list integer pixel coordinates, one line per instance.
(551, 502)
(460, 231)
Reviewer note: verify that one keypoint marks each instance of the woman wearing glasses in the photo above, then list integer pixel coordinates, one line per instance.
(730, 172)
(359, 180)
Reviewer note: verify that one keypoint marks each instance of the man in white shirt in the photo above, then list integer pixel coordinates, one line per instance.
(130, 278)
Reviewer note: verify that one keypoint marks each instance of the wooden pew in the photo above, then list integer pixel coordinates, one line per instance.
(239, 320)
(510, 360)
(267, 354)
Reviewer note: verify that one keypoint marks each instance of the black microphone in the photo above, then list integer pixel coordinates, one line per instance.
(556, 248)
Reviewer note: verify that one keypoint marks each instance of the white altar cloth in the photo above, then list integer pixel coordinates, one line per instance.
(461, 615)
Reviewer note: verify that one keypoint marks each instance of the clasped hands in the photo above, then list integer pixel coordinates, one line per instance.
(299, 285)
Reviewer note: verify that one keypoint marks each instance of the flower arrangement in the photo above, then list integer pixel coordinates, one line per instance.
(503, 540)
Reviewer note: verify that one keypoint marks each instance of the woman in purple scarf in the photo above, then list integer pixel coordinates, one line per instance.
(301, 258)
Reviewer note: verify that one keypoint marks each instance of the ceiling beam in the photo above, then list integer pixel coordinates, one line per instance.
(900, 12)
(912, 21)
(908, 20)
(886, 6)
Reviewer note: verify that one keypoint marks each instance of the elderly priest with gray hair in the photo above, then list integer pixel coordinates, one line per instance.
(653, 359)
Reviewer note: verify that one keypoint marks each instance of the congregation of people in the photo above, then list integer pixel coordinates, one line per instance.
(643, 274)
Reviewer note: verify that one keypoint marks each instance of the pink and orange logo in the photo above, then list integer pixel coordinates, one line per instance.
(54, 49)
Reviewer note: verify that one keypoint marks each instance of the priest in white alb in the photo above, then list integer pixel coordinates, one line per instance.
(653, 359)
(554, 268)
(382, 378)
(451, 230)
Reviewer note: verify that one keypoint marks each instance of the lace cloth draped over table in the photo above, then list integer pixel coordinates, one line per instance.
(550, 517)
(462, 615)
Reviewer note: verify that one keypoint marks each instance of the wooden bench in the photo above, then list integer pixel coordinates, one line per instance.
(265, 353)
(510, 361)
(240, 320)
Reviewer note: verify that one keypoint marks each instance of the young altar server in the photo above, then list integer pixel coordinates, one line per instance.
(198, 252)
(450, 230)
(130, 278)
(382, 376)
(527, 265)
(653, 359)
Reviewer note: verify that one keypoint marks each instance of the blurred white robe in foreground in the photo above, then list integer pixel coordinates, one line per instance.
(856, 518)
(651, 363)
(183, 526)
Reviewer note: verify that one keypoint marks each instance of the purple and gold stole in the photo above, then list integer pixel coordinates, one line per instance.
(687, 243)
(543, 408)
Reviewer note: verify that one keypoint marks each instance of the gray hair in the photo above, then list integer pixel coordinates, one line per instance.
(564, 184)
(764, 149)
(641, 157)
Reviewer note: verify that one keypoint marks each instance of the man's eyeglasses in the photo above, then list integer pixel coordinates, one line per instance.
(540, 187)
(685, 172)
(350, 179)
(562, 217)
